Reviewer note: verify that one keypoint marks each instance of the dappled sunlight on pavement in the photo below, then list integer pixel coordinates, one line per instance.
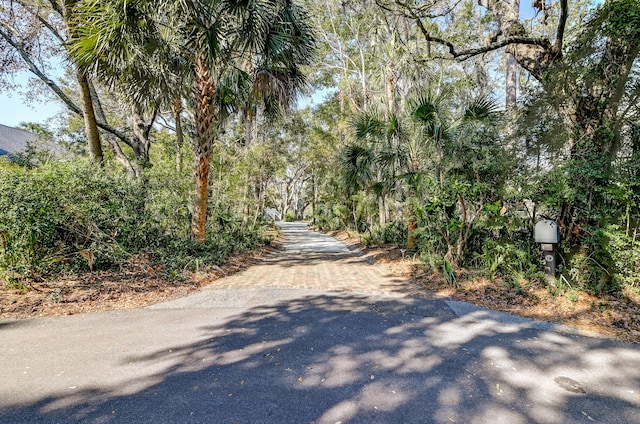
(329, 358)
(318, 352)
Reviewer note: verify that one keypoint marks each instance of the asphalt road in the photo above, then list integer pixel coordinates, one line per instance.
(274, 355)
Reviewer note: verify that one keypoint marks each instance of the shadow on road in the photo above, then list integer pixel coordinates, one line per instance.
(350, 359)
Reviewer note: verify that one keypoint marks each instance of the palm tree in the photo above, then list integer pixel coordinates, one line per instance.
(270, 38)
(88, 112)
(387, 140)
(226, 46)
(397, 153)
(450, 137)
(122, 47)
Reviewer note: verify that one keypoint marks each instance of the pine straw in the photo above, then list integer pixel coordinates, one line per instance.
(615, 315)
(140, 284)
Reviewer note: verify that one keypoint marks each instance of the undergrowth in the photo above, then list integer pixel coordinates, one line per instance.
(76, 217)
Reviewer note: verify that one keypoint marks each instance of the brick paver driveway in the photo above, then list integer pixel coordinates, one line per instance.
(316, 261)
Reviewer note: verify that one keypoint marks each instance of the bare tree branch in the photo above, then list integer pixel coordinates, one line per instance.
(564, 14)
(33, 68)
(19, 47)
(57, 7)
(152, 121)
(534, 41)
(412, 13)
(469, 53)
(42, 20)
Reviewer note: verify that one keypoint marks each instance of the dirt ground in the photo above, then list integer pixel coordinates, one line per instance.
(615, 315)
(142, 283)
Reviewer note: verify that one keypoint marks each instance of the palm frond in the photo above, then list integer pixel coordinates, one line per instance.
(482, 108)
(368, 125)
(395, 129)
(428, 111)
(379, 188)
(393, 156)
(356, 164)
(231, 89)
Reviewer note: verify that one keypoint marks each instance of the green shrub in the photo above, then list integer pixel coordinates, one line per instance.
(395, 232)
(77, 216)
(624, 249)
(290, 216)
(68, 213)
(181, 254)
(593, 273)
(511, 259)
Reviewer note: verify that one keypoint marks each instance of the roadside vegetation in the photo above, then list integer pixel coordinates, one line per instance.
(445, 128)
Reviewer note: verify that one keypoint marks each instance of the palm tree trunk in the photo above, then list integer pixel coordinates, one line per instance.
(88, 112)
(204, 90)
(90, 122)
(199, 221)
(411, 228)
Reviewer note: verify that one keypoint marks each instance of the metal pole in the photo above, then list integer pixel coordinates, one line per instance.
(549, 259)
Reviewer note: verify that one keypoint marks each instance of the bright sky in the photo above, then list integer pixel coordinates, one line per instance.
(15, 108)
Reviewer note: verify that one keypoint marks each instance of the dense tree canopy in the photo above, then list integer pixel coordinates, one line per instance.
(402, 136)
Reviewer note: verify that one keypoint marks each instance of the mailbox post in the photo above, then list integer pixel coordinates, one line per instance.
(547, 233)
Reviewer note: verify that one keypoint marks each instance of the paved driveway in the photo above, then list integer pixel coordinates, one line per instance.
(284, 350)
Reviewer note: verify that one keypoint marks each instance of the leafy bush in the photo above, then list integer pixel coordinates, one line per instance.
(181, 254)
(597, 271)
(625, 252)
(330, 218)
(393, 232)
(511, 259)
(290, 216)
(77, 216)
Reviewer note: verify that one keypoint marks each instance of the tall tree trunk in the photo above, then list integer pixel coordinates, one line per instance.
(512, 14)
(511, 86)
(382, 211)
(246, 192)
(199, 221)
(363, 82)
(391, 88)
(134, 172)
(397, 197)
(142, 130)
(314, 197)
(248, 117)
(411, 228)
(511, 79)
(205, 114)
(177, 112)
(88, 112)
(90, 122)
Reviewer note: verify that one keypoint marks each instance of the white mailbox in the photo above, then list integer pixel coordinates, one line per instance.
(547, 232)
